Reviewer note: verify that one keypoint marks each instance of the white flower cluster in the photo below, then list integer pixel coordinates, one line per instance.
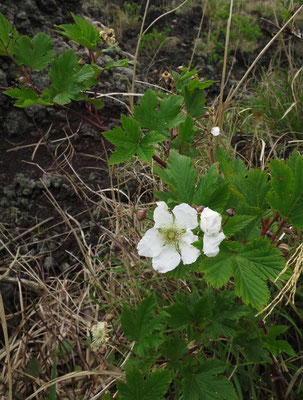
(171, 238)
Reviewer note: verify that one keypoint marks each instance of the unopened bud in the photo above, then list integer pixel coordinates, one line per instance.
(269, 234)
(141, 214)
(22, 79)
(11, 36)
(230, 212)
(98, 23)
(155, 72)
(288, 230)
(81, 62)
(200, 209)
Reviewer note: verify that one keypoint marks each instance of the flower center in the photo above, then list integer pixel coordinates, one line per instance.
(171, 235)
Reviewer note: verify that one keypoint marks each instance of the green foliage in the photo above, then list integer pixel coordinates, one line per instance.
(251, 265)
(153, 40)
(26, 97)
(36, 53)
(207, 382)
(8, 37)
(286, 195)
(181, 176)
(137, 387)
(81, 32)
(142, 327)
(131, 141)
(159, 116)
(33, 368)
(68, 78)
(273, 345)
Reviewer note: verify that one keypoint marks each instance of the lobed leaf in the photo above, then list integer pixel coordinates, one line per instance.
(36, 53)
(8, 37)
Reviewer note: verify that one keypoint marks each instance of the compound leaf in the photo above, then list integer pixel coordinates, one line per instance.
(68, 78)
(81, 32)
(36, 53)
(137, 387)
(25, 97)
(162, 118)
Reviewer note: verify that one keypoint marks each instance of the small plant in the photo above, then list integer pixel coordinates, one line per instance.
(127, 18)
(150, 42)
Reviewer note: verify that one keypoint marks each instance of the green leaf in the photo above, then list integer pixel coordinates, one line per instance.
(287, 189)
(173, 349)
(36, 53)
(189, 310)
(194, 101)
(81, 32)
(159, 119)
(131, 142)
(25, 97)
(274, 345)
(184, 176)
(118, 64)
(8, 37)
(186, 131)
(206, 186)
(68, 78)
(228, 166)
(251, 265)
(252, 189)
(236, 224)
(33, 368)
(98, 103)
(207, 383)
(153, 387)
(141, 326)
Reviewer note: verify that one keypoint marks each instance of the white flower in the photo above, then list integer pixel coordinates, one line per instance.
(210, 221)
(211, 224)
(211, 244)
(215, 131)
(170, 240)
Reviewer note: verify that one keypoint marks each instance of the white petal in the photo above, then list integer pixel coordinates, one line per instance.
(151, 244)
(162, 216)
(210, 221)
(167, 260)
(186, 216)
(215, 131)
(211, 244)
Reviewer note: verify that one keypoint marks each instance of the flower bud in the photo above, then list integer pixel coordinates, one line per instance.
(200, 209)
(11, 36)
(284, 248)
(22, 79)
(141, 214)
(215, 131)
(81, 62)
(230, 212)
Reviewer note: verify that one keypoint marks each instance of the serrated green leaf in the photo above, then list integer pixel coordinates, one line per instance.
(194, 101)
(206, 186)
(184, 175)
(36, 53)
(98, 103)
(186, 131)
(117, 64)
(174, 348)
(159, 119)
(68, 79)
(141, 326)
(131, 142)
(274, 345)
(189, 310)
(207, 384)
(153, 387)
(25, 97)
(228, 166)
(236, 224)
(251, 265)
(252, 189)
(8, 37)
(81, 32)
